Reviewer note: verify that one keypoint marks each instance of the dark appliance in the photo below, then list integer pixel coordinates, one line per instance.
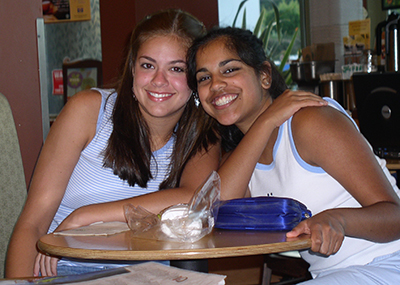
(306, 74)
(378, 110)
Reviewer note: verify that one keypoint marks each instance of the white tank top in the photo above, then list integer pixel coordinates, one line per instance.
(289, 176)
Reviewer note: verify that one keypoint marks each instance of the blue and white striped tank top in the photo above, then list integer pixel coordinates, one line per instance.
(91, 183)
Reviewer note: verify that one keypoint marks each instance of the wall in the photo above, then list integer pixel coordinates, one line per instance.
(329, 22)
(117, 21)
(74, 40)
(118, 18)
(205, 10)
(19, 76)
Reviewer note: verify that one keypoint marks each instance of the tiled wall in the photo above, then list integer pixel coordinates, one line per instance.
(74, 40)
(329, 22)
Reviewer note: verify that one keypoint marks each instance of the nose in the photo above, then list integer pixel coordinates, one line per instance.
(217, 83)
(159, 79)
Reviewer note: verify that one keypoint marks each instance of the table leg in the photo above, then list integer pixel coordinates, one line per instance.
(266, 278)
(200, 265)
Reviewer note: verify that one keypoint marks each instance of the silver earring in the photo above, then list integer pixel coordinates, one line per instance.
(133, 94)
(195, 94)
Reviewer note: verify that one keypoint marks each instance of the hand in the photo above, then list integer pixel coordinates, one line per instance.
(289, 102)
(45, 265)
(326, 230)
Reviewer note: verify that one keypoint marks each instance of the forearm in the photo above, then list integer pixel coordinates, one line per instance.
(114, 211)
(21, 253)
(238, 168)
(196, 171)
(379, 222)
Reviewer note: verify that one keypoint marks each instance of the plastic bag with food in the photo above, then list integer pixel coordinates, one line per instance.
(183, 222)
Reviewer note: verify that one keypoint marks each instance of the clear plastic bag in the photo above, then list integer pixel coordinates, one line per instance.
(183, 222)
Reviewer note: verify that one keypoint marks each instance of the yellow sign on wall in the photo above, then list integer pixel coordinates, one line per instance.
(360, 31)
(55, 11)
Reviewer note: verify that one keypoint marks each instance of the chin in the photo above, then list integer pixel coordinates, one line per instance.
(226, 121)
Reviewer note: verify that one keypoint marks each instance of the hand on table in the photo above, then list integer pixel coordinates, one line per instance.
(327, 232)
(45, 265)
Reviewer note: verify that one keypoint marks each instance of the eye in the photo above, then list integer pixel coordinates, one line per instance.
(231, 69)
(178, 69)
(146, 65)
(202, 78)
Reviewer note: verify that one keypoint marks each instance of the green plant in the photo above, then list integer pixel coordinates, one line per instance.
(264, 28)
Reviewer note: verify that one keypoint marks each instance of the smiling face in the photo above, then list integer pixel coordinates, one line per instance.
(159, 73)
(230, 90)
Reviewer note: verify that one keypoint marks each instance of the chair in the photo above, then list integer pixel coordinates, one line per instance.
(12, 179)
(289, 267)
(81, 74)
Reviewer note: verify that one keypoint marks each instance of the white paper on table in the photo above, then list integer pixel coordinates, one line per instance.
(97, 229)
(156, 273)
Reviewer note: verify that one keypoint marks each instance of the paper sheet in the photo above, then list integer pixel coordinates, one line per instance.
(140, 274)
(97, 229)
(156, 273)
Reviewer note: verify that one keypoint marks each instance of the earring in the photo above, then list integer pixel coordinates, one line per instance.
(196, 98)
(133, 94)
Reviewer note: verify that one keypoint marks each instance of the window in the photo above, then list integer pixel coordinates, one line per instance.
(289, 15)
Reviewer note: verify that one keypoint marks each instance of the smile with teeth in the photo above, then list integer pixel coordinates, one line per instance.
(160, 95)
(225, 99)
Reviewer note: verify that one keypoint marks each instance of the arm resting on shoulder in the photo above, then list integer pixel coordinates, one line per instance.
(244, 158)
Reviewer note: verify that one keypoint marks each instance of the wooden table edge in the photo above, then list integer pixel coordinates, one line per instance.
(178, 254)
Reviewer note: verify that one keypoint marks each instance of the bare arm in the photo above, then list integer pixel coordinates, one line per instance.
(195, 172)
(246, 155)
(70, 133)
(351, 162)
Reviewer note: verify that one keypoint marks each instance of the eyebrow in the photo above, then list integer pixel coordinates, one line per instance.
(172, 62)
(221, 64)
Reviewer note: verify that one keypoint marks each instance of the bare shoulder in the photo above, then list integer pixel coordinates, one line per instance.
(85, 99)
(80, 114)
(84, 105)
(318, 120)
(318, 129)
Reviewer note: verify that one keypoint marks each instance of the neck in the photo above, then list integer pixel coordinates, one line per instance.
(158, 140)
(251, 118)
(161, 131)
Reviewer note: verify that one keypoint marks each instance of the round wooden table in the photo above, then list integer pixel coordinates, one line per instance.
(220, 243)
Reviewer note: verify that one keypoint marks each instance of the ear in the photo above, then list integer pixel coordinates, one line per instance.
(265, 76)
